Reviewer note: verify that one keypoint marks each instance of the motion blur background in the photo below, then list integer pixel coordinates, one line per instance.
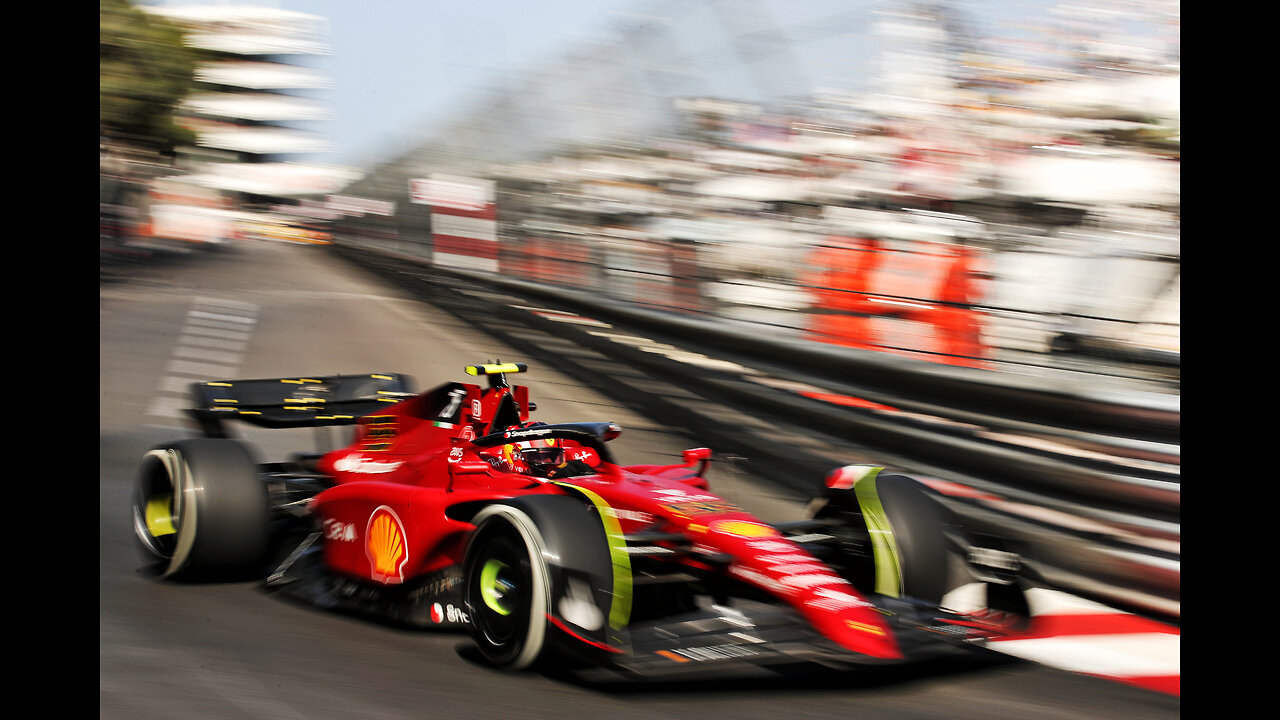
(986, 184)
(989, 188)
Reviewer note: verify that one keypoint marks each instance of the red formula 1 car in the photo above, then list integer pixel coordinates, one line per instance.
(450, 508)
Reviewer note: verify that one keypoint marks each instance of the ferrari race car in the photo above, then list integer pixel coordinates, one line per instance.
(450, 508)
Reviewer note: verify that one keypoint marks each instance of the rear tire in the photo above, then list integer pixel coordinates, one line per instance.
(200, 510)
(507, 587)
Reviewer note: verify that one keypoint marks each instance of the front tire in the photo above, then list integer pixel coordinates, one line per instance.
(201, 511)
(919, 525)
(507, 587)
(892, 536)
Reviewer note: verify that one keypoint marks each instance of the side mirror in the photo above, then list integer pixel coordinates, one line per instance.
(694, 455)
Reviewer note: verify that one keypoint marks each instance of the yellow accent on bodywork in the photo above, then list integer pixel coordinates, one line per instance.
(495, 368)
(884, 548)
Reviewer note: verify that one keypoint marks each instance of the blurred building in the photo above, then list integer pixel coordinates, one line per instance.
(1023, 192)
(257, 105)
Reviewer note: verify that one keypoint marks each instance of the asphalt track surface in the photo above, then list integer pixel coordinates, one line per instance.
(232, 651)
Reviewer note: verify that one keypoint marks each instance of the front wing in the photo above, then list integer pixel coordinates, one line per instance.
(757, 630)
(768, 635)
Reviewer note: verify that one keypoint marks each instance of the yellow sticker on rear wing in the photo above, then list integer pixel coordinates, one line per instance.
(496, 368)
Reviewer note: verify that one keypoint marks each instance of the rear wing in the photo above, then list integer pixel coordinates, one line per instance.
(497, 372)
(294, 402)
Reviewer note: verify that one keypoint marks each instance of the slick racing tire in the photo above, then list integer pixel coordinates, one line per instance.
(200, 510)
(893, 537)
(507, 587)
(918, 522)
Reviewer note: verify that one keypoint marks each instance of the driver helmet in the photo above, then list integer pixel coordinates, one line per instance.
(533, 456)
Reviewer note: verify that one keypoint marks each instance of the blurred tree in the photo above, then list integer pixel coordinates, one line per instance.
(145, 71)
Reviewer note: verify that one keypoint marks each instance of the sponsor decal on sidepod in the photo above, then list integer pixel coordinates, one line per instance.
(385, 546)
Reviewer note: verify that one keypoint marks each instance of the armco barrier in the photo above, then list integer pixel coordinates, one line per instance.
(1140, 416)
(1136, 415)
(1135, 498)
(948, 391)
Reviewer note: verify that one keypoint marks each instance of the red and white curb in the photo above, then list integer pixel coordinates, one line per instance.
(1081, 636)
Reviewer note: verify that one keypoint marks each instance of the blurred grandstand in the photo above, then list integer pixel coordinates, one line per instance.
(887, 175)
(980, 201)
(247, 176)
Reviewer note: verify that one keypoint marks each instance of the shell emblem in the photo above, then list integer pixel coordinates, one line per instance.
(742, 528)
(385, 546)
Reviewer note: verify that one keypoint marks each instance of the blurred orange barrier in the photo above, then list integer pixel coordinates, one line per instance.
(554, 261)
(647, 272)
(917, 302)
(684, 274)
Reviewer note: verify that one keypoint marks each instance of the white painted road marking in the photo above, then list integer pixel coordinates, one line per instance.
(1081, 636)
(212, 347)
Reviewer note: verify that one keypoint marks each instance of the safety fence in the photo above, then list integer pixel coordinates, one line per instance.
(955, 303)
(1100, 467)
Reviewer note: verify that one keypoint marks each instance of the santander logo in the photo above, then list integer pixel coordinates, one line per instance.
(358, 464)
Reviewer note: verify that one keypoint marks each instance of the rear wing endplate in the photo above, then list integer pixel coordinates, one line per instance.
(294, 402)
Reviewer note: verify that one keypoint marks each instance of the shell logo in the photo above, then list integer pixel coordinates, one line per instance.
(864, 627)
(742, 528)
(385, 546)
